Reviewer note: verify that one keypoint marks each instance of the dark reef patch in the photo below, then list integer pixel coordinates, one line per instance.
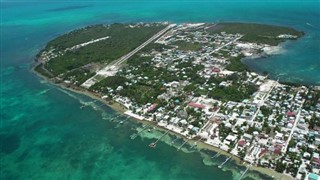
(9, 143)
(67, 8)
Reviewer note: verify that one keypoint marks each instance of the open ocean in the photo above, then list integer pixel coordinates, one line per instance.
(45, 135)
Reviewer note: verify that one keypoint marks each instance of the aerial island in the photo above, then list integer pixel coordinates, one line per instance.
(189, 79)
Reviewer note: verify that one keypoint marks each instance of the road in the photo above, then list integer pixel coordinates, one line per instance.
(227, 44)
(114, 66)
(127, 56)
(261, 103)
(293, 128)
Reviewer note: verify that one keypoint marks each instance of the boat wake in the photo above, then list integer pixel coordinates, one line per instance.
(43, 91)
(311, 25)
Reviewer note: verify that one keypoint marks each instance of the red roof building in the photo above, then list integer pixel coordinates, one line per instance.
(289, 114)
(152, 107)
(316, 160)
(263, 152)
(277, 151)
(241, 143)
(196, 105)
(216, 70)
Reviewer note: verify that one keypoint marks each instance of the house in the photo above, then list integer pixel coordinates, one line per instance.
(196, 105)
(231, 138)
(247, 137)
(312, 176)
(242, 143)
(264, 151)
(152, 107)
(215, 70)
(291, 114)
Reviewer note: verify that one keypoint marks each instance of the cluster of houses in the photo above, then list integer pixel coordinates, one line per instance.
(262, 130)
(270, 129)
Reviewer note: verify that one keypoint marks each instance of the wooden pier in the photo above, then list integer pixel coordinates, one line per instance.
(87, 104)
(116, 117)
(174, 140)
(248, 167)
(216, 155)
(182, 145)
(221, 165)
(122, 121)
(154, 144)
(196, 143)
(133, 136)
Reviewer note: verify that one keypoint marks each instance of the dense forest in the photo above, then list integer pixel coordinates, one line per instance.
(123, 39)
(257, 33)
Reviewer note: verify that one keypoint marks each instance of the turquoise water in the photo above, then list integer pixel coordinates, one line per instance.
(45, 135)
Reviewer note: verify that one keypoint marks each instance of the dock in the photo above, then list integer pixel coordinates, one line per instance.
(115, 117)
(133, 136)
(245, 172)
(87, 104)
(154, 144)
(216, 155)
(221, 165)
(182, 145)
(122, 121)
(195, 143)
(174, 140)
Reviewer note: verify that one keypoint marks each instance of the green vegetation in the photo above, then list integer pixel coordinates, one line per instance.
(142, 93)
(235, 92)
(265, 111)
(187, 46)
(236, 64)
(257, 33)
(312, 100)
(78, 76)
(123, 39)
(223, 131)
(280, 166)
(111, 82)
(137, 60)
(40, 70)
(313, 122)
(79, 36)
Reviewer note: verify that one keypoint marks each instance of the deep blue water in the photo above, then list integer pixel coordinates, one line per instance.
(44, 134)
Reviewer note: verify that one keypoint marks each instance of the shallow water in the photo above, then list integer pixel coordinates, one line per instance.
(45, 135)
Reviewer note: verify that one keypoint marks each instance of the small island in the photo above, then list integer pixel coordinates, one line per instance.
(189, 79)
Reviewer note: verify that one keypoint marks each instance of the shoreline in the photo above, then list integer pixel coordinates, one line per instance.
(201, 145)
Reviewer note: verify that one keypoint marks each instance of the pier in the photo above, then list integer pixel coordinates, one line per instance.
(182, 145)
(87, 104)
(221, 165)
(216, 155)
(195, 143)
(122, 121)
(248, 167)
(154, 144)
(102, 104)
(133, 136)
(174, 140)
(116, 117)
